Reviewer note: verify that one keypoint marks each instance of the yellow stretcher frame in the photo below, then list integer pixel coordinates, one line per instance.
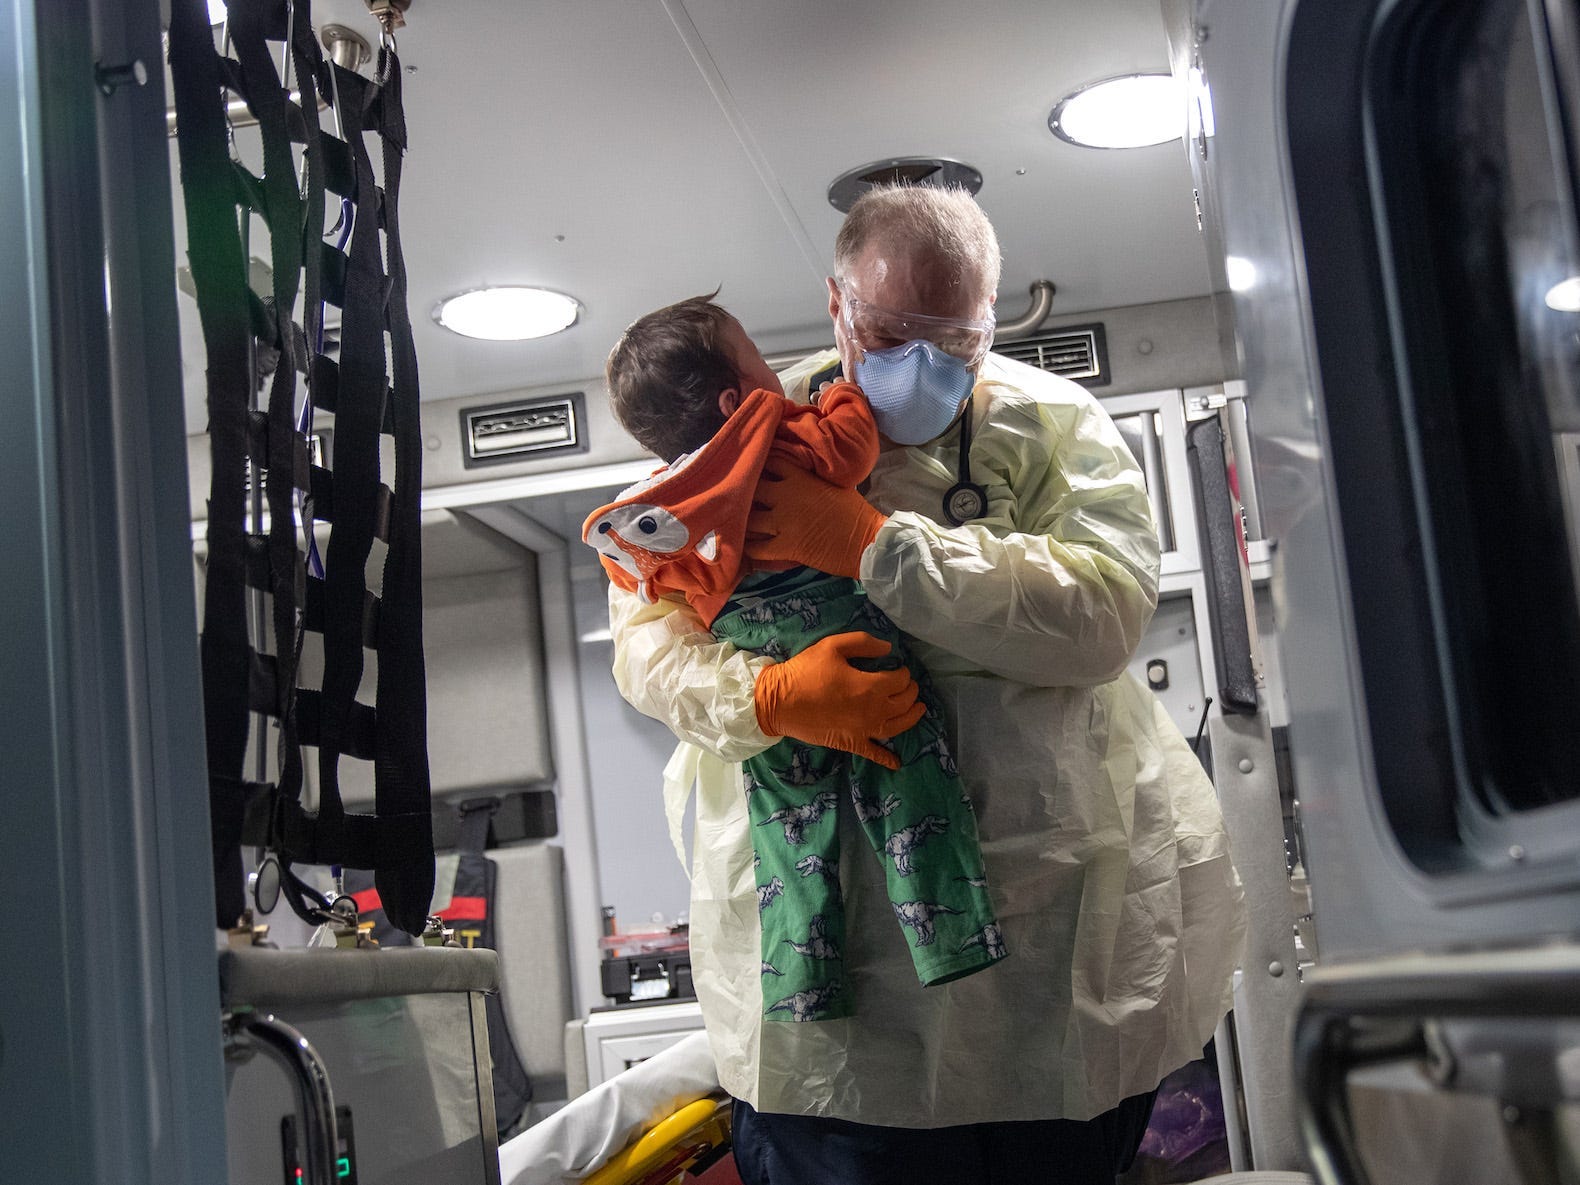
(697, 1133)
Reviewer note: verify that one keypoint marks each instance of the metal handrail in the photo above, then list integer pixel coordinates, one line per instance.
(1372, 1012)
(1036, 313)
(315, 1101)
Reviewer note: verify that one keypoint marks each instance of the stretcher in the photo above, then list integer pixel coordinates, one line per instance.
(664, 1121)
(693, 1144)
(666, 1115)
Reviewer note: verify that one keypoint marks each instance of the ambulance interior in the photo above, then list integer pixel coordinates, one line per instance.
(628, 155)
(710, 129)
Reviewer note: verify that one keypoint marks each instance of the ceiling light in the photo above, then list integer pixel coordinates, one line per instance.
(1564, 296)
(507, 314)
(1241, 273)
(1132, 111)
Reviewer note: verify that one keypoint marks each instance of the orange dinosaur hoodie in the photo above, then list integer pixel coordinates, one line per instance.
(683, 530)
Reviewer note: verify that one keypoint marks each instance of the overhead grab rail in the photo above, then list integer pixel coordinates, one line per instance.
(1031, 320)
(1225, 565)
(345, 47)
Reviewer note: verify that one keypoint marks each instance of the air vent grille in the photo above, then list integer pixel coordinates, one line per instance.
(1078, 352)
(517, 431)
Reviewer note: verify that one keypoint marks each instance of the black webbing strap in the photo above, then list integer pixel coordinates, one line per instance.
(350, 489)
(396, 842)
(219, 277)
(401, 767)
(326, 391)
(313, 616)
(399, 837)
(288, 216)
(357, 728)
(322, 485)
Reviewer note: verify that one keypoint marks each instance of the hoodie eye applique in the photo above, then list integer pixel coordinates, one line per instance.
(638, 536)
(650, 528)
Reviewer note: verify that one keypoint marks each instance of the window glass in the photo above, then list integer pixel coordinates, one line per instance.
(1477, 213)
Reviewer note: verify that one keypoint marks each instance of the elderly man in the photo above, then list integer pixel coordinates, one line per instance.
(1007, 530)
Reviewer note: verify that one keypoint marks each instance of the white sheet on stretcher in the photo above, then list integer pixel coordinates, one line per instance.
(580, 1138)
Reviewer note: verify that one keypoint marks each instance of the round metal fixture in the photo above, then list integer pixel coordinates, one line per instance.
(346, 48)
(912, 170)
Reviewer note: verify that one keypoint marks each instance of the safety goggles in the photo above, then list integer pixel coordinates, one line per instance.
(874, 327)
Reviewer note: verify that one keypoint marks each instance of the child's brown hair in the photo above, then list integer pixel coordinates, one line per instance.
(666, 374)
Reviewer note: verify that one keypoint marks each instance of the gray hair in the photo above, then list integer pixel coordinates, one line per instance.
(945, 226)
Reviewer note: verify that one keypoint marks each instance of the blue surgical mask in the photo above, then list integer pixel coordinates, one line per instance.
(915, 390)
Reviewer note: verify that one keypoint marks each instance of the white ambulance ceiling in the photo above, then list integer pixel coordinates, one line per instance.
(632, 152)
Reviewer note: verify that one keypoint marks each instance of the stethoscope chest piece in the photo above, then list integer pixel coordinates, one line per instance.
(965, 500)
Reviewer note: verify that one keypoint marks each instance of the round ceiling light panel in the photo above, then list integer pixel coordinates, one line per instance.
(507, 314)
(1131, 111)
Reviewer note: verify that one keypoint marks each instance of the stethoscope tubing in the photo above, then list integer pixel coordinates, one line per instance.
(965, 500)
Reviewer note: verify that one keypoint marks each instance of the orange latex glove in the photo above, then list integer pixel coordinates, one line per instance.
(798, 518)
(816, 696)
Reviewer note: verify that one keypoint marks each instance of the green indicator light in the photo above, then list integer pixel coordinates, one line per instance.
(343, 1167)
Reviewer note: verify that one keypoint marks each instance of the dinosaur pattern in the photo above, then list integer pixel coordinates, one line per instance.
(770, 612)
(815, 865)
(809, 1004)
(869, 812)
(873, 620)
(796, 819)
(801, 771)
(902, 845)
(769, 893)
(916, 821)
(817, 944)
(939, 748)
(918, 916)
(990, 938)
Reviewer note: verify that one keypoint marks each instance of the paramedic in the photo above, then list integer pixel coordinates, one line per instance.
(1006, 529)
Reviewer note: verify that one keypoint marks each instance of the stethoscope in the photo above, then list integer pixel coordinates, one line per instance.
(965, 500)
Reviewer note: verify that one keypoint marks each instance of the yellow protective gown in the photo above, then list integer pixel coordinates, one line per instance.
(1105, 849)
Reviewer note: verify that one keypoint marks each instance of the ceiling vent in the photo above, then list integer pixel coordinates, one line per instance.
(908, 170)
(523, 430)
(1078, 352)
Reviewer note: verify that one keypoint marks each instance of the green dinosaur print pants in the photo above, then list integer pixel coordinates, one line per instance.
(917, 818)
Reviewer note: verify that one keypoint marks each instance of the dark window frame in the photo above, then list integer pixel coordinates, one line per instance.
(1382, 314)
